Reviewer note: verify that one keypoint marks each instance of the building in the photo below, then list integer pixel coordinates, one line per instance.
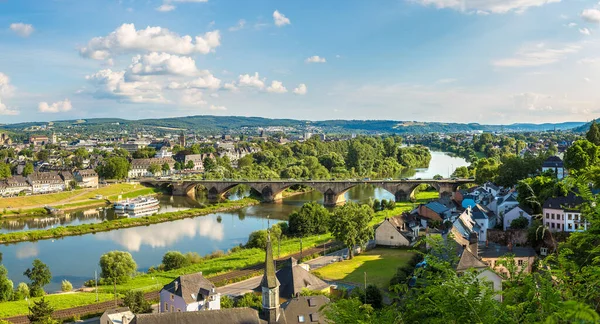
(562, 214)
(5, 140)
(189, 293)
(139, 167)
(469, 259)
(163, 153)
(484, 218)
(44, 182)
(87, 178)
(196, 159)
(556, 165)
(393, 232)
(229, 316)
(305, 309)
(14, 186)
(122, 315)
(434, 211)
(132, 146)
(38, 140)
(67, 177)
(513, 214)
(524, 257)
(293, 278)
(182, 139)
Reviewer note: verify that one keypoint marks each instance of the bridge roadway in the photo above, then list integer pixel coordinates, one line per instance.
(333, 190)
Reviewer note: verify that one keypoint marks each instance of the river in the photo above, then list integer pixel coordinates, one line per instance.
(75, 258)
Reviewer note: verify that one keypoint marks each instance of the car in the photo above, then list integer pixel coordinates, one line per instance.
(419, 179)
(389, 179)
(404, 179)
(366, 179)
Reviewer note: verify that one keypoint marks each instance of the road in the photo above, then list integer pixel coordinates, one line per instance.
(243, 287)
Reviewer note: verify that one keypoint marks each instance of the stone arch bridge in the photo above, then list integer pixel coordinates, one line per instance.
(333, 190)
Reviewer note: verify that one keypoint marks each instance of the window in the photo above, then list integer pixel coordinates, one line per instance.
(547, 224)
(570, 226)
(569, 216)
(391, 237)
(520, 263)
(172, 308)
(172, 297)
(576, 217)
(552, 226)
(179, 310)
(552, 216)
(300, 318)
(166, 307)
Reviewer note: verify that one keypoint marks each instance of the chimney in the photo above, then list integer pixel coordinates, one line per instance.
(124, 320)
(510, 246)
(176, 285)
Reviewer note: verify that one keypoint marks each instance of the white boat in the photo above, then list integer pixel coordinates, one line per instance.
(120, 205)
(141, 213)
(141, 203)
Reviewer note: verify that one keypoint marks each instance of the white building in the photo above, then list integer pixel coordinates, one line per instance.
(556, 165)
(392, 232)
(163, 153)
(44, 182)
(562, 214)
(513, 214)
(140, 167)
(122, 315)
(189, 293)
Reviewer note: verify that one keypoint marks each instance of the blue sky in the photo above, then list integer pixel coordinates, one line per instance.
(487, 61)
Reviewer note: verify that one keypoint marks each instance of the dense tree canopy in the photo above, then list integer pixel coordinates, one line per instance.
(117, 266)
(115, 167)
(40, 275)
(350, 225)
(312, 218)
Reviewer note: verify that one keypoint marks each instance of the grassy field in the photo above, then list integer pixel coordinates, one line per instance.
(380, 264)
(422, 197)
(74, 196)
(58, 301)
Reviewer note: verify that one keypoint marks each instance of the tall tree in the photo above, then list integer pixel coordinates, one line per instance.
(581, 155)
(312, 218)
(39, 275)
(6, 285)
(350, 225)
(28, 169)
(115, 167)
(117, 266)
(593, 134)
(41, 312)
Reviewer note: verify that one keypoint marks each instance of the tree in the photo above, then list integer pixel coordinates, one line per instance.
(190, 165)
(519, 223)
(166, 168)
(250, 300)
(115, 167)
(154, 168)
(66, 286)
(437, 177)
(117, 266)
(137, 303)
(41, 312)
(174, 260)
(6, 285)
(28, 169)
(581, 155)
(209, 164)
(312, 218)
(226, 302)
(350, 225)
(39, 275)
(374, 297)
(4, 170)
(593, 134)
(22, 291)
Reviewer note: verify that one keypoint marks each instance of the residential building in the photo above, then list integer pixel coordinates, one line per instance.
(67, 177)
(197, 159)
(484, 218)
(305, 309)
(556, 165)
(139, 167)
(503, 204)
(562, 214)
(393, 232)
(513, 214)
(87, 178)
(524, 256)
(39, 140)
(121, 315)
(163, 153)
(294, 277)
(5, 140)
(189, 293)
(229, 316)
(434, 211)
(14, 186)
(132, 146)
(44, 182)
(491, 188)
(469, 259)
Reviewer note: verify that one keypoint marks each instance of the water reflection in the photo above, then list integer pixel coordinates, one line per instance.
(27, 250)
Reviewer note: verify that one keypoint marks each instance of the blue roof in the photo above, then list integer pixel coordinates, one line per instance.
(437, 207)
(479, 215)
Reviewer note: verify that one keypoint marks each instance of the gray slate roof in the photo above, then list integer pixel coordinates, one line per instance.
(229, 316)
(293, 278)
(306, 306)
(437, 207)
(193, 287)
(496, 251)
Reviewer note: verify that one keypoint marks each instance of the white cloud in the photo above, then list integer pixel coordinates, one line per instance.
(537, 55)
(532, 101)
(213, 107)
(112, 85)
(6, 89)
(193, 97)
(254, 81)
(589, 60)
(206, 80)
(315, 59)
(21, 29)
(276, 87)
(571, 25)
(152, 39)
(486, 6)
(214, 95)
(166, 7)
(447, 80)
(162, 63)
(301, 89)
(585, 31)
(587, 80)
(280, 19)
(230, 86)
(240, 25)
(59, 106)
(591, 15)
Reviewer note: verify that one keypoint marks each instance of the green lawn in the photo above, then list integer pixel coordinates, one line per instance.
(58, 301)
(380, 264)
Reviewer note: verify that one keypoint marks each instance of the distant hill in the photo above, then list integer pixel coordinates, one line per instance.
(216, 124)
(584, 128)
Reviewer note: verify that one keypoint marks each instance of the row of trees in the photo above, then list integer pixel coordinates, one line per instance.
(39, 275)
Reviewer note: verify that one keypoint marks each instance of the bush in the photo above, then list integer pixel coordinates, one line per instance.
(226, 302)
(250, 300)
(374, 297)
(136, 302)
(174, 260)
(22, 291)
(36, 291)
(66, 286)
(519, 223)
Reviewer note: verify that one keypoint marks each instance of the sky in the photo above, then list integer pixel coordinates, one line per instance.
(485, 61)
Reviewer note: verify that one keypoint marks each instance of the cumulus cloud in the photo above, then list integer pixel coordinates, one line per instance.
(276, 87)
(280, 19)
(162, 63)
(486, 6)
(301, 89)
(246, 80)
(21, 29)
(6, 90)
(213, 107)
(585, 31)
(230, 86)
(152, 39)
(240, 25)
(59, 106)
(532, 101)
(537, 55)
(591, 15)
(166, 7)
(206, 80)
(193, 97)
(112, 85)
(315, 59)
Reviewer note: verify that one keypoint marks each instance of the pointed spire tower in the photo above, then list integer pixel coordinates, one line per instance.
(270, 287)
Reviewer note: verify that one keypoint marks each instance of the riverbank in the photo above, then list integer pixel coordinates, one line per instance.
(63, 231)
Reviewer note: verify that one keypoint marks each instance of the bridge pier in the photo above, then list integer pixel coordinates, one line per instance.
(401, 196)
(269, 196)
(183, 189)
(332, 199)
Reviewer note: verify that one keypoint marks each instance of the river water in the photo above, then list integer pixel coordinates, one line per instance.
(75, 258)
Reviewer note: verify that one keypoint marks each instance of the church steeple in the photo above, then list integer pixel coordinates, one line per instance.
(270, 287)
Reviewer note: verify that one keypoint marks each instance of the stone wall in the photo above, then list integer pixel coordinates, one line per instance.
(516, 236)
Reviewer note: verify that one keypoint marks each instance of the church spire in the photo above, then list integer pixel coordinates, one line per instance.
(270, 287)
(269, 279)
